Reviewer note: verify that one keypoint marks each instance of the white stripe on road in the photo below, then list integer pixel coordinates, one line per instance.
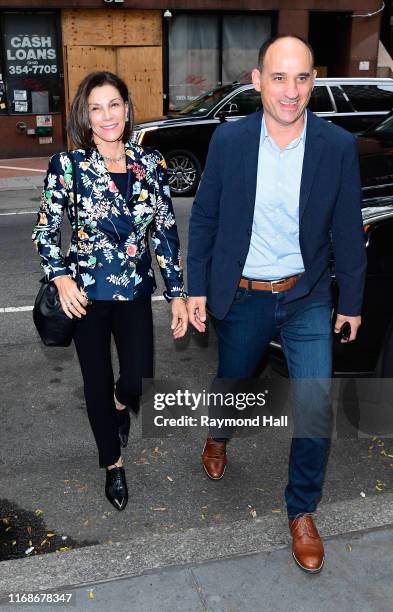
(18, 168)
(155, 298)
(16, 309)
(19, 212)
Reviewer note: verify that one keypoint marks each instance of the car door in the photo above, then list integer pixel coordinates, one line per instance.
(362, 355)
(376, 163)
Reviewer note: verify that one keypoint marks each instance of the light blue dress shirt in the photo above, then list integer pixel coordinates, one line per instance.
(274, 248)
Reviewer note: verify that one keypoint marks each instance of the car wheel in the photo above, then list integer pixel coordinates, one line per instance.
(184, 172)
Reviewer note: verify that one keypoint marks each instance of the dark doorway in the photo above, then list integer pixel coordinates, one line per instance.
(329, 35)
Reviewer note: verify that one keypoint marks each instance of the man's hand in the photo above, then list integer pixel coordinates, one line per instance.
(353, 321)
(72, 299)
(196, 307)
(179, 317)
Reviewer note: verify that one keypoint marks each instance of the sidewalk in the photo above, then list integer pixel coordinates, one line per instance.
(22, 173)
(356, 576)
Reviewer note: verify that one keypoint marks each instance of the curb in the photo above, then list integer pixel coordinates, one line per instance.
(193, 546)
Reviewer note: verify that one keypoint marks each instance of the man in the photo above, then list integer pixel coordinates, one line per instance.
(279, 188)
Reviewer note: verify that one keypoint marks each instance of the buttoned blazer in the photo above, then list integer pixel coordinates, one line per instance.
(112, 249)
(329, 215)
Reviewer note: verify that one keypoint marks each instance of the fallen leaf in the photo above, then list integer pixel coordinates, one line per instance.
(253, 513)
(39, 511)
(169, 478)
(50, 535)
(29, 550)
(276, 510)
(63, 549)
(91, 595)
(29, 530)
(13, 542)
(158, 509)
(349, 547)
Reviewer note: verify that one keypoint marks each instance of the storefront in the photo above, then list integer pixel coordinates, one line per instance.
(31, 83)
(167, 52)
(205, 50)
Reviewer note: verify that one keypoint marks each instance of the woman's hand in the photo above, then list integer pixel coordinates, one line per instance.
(72, 299)
(179, 317)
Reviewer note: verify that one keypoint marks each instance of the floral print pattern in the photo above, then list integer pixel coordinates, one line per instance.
(113, 250)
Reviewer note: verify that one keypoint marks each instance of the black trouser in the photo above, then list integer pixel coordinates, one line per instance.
(131, 324)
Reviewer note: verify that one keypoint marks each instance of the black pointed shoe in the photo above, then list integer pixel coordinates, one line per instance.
(116, 487)
(123, 423)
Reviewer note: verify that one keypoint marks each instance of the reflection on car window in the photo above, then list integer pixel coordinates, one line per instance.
(370, 97)
(385, 128)
(205, 102)
(320, 101)
(341, 99)
(246, 102)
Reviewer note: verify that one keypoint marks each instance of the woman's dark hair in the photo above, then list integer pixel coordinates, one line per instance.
(79, 124)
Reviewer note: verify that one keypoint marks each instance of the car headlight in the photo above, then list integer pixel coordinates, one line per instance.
(138, 135)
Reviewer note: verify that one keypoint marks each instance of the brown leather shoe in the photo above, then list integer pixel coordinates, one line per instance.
(307, 547)
(214, 458)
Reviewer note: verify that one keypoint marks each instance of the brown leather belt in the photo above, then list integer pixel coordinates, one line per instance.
(275, 286)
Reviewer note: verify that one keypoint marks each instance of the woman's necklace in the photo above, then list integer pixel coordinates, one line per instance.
(113, 160)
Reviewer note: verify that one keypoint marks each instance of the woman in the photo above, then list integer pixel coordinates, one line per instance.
(122, 194)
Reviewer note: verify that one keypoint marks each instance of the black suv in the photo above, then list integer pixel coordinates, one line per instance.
(183, 138)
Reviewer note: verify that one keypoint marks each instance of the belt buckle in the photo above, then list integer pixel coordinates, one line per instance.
(273, 282)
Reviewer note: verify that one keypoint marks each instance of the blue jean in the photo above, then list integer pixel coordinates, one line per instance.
(304, 327)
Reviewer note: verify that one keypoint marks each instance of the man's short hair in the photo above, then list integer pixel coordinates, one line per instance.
(270, 41)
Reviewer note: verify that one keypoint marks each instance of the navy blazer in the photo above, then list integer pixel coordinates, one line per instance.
(329, 214)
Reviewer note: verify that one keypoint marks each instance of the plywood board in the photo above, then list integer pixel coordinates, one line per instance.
(137, 28)
(105, 27)
(141, 69)
(83, 27)
(82, 60)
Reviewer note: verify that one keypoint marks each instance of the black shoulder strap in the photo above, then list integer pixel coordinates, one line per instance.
(75, 197)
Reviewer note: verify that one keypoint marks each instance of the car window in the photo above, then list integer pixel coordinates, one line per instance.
(205, 102)
(341, 99)
(380, 252)
(244, 103)
(320, 101)
(370, 97)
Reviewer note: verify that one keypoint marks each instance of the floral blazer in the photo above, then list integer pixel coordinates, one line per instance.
(113, 250)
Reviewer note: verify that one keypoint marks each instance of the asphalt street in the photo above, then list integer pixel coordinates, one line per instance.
(52, 491)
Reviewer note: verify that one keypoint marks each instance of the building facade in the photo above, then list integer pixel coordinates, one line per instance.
(167, 52)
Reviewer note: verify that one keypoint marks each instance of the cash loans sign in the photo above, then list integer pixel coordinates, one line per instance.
(31, 54)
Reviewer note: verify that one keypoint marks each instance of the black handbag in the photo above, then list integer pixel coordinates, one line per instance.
(53, 325)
